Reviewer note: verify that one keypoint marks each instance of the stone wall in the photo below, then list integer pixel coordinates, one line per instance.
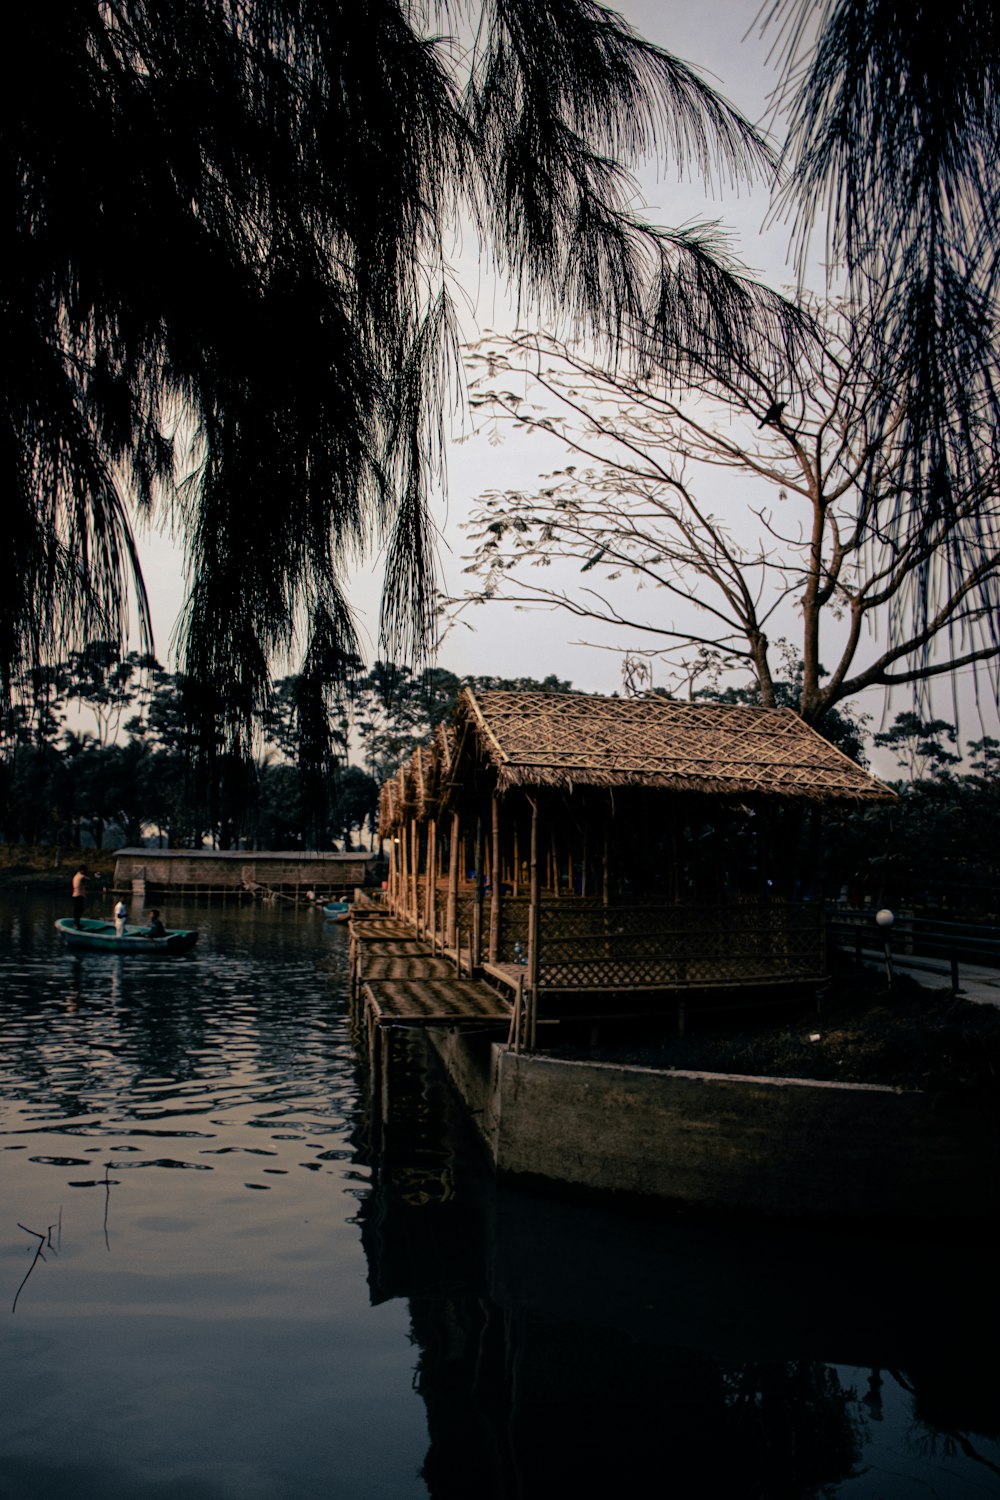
(771, 1146)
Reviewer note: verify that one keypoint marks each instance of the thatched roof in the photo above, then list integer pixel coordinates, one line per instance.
(572, 739)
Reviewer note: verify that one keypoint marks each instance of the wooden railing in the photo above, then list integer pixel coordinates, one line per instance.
(650, 946)
(585, 945)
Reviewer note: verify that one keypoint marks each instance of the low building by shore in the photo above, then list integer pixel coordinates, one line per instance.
(222, 871)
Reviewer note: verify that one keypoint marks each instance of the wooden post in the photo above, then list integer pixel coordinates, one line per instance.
(430, 887)
(375, 1078)
(404, 871)
(533, 929)
(451, 916)
(477, 910)
(386, 1049)
(606, 860)
(516, 873)
(414, 871)
(514, 1034)
(495, 885)
(675, 857)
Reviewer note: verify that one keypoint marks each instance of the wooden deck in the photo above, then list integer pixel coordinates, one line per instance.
(406, 966)
(433, 1002)
(403, 981)
(381, 928)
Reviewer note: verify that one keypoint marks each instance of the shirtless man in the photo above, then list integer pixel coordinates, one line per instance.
(79, 894)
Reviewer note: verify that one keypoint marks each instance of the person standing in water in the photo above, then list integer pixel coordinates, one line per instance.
(79, 894)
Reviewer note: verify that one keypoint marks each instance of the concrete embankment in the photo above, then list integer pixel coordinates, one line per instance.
(774, 1146)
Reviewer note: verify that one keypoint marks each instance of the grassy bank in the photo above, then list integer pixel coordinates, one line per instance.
(25, 867)
(906, 1037)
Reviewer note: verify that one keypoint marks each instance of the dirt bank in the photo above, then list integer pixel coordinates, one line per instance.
(863, 1033)
(24, 868)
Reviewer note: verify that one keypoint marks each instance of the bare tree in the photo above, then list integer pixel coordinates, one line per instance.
(799, 554)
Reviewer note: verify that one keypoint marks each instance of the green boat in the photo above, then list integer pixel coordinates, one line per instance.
(101, 937)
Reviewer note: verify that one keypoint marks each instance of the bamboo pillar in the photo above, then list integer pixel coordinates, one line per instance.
(495, 885)
(404, 870)
(516, 874)
(477, 921)
(675, 859)
(430, 889)
(534, 903)
(606, 860)
(451, 914)
(414, 873)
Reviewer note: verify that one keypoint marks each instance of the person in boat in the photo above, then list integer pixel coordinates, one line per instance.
(121, 916)
(156, 928)
(79, 894)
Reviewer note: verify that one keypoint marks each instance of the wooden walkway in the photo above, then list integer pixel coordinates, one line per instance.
(406, 966)
(402, 981)
(434, 1002)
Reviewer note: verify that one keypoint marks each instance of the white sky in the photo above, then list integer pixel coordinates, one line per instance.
(720, 40)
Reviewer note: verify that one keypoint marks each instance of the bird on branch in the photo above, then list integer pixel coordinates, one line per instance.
(773, 414)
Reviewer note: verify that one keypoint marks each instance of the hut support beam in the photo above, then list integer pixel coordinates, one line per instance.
(534, 905)
(451, 914)
(430, 898)
(477, 935)
(404, 871)
(606, 860)
(414, 868)
(495, 885)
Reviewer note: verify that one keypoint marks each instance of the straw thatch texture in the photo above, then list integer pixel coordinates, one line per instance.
(569, 739)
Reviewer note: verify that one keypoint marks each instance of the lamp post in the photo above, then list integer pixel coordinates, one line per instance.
(885, 919)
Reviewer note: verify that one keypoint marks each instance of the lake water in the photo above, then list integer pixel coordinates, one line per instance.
(218, 1283)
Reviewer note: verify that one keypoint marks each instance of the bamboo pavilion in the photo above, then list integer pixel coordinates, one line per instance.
(591, 854)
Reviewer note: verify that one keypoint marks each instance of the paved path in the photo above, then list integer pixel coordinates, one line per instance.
(980, 986)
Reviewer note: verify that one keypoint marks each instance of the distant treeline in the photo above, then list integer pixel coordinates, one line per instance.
(101, 750)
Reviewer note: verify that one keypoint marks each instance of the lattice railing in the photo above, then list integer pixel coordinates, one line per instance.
(649, 946)
(586, 945)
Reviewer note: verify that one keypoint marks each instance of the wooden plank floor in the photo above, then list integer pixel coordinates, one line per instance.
(391, 964)
(430, 1002)
(382, 929)
(404, 948)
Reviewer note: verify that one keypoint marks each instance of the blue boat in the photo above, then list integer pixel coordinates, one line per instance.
(337, 911)
(101, 937)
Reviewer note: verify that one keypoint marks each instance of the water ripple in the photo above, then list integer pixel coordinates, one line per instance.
(251, 1037)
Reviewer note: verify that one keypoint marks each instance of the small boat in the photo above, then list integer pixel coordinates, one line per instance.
(337, 911)
(101, 936)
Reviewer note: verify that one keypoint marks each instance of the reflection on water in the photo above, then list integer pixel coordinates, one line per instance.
(566, 1349)
(228, 1286)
